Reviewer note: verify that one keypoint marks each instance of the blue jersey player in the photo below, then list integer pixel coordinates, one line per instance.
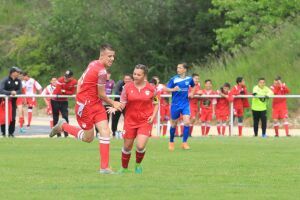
(179, 86)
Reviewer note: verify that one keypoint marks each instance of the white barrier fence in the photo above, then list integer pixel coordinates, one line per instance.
(231, 120)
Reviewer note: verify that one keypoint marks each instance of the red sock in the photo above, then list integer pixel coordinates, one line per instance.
(240, 130)
(223, 129)
(164, 129)
(51, 123)
(203, 130)
(73, 130)
(104, 152)
(191, 130)
(139, 156)
(286, 127)
(276, 128)
(207, 129)
(219, 129)
(21, 121)
(29, 117)
(125, 158)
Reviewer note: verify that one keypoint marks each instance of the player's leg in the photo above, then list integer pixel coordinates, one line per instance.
(126, 153)
(115, 121)
(255, 121)
(203, 121)
(276, 126)
(264, 122)
(65, 113)
(224, 124)
(21, 116)
(285, 122)
(219, 125)
(141, 142)
(186, 131)
(55, 112)
(175, 114)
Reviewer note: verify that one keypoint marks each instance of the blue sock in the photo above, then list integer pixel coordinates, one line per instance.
(172, 134)
(186, 131)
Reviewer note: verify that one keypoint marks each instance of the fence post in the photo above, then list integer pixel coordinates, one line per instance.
(231, 119)
(158, 120)
(6, 115)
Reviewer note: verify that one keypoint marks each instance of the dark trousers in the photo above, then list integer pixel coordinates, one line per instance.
(259, 115)
(62, 107)
(115, 121)
(12, 125)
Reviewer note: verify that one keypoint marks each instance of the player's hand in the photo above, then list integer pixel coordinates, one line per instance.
(118, 105)
(111, 110)
(191, 95)
(200, 92)
(150, 119)
(13, 93)
(63, 91)
(176, 88)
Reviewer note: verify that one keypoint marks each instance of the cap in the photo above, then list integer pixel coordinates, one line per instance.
(68, 74)
(14, 69)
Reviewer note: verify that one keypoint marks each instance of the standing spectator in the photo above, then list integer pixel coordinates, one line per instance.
(223, 108)
(259, 106)
(108, 89)
(10, 85)
(239, 104)
(118, 90)
(48, 90)
(279, 107)
(65, 85)
(194, 102)
(31, 87)
(207, 106)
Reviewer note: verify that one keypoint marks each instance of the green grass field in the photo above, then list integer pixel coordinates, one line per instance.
(215, 168)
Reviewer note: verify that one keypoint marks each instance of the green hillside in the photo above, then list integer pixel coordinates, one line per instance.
(268, 57)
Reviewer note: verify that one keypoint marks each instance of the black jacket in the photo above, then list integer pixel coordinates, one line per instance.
(8, 84)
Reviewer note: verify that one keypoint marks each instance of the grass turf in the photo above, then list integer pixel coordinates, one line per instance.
(215, 168)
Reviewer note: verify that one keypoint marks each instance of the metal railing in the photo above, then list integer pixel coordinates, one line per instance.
(231, 119)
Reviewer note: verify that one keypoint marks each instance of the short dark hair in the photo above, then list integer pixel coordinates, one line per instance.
(130, 75)
(194, 74)
(25, 74)
(261, 79)
(184, 65)
(207, 80)
(153, 81)
(142, 67)
(278, 78)
(226, 85)
(106, 46)
(239, 79)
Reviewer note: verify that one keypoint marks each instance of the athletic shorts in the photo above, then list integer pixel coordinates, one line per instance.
(279, 114)
(222, 115)
(131, 133)
(206, 115)
(177, 110)
(238, 112)
(31, 102)
(194, 111)
(20, 101)
(90, 114)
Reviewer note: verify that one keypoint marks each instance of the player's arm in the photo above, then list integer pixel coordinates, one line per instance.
(73, 89)
(191, 94)
(106, 99)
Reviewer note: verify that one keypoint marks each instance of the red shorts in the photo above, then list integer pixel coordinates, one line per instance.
(279, 113)
(238, 112)
(143, 129)
(206, 115)
(20, 101)
(194, 110)
(164, 112)
(222, 115)
(90, 114)
(31, 102)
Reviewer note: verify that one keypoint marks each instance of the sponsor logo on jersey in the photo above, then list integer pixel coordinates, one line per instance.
(147, 92)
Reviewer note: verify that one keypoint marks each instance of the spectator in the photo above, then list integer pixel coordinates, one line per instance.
(10, 85)
(31, 87)
(49, 91)
(118, 90)
(259, 106)
(108, 89)
(65, 85)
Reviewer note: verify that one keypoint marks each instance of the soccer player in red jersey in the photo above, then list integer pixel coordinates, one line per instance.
(207, 106)
(164, 105)
(141, 106)
(48, 90)
(223, 108)
(239, 104)
(89, 109)
(280, 111)
(194, 102)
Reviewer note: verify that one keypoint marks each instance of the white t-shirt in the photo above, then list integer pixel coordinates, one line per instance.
(31, 86)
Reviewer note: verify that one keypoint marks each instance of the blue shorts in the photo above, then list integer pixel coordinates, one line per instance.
(177, 110)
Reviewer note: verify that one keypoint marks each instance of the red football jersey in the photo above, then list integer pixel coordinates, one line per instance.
(207, 103)
(279, 90)
(68, 87)
(94, 75)
(139, 104)
(223, 103)
(194, 101)
(164, 101)
(240, 102)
